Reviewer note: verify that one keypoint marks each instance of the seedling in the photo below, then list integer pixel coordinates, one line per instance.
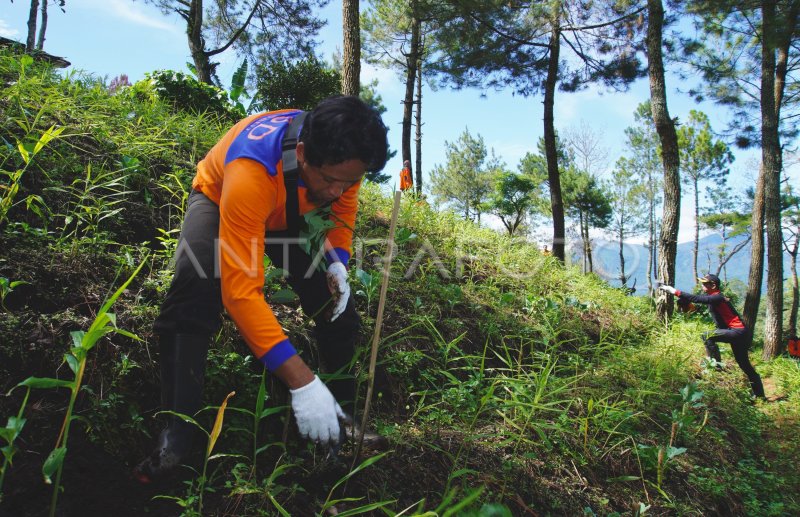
(9, 191)
(104, 323)
(13, 428)
(661, 456)
(216, 429)
(330, 503)
(370, 281)
(258, 414)
(6, 287)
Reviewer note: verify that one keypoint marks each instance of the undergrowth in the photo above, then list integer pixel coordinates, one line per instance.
(507, 384)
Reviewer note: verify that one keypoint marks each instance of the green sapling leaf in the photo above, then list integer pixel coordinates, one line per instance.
(52, 463)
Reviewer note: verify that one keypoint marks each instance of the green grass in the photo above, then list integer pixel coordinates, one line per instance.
(505, 381)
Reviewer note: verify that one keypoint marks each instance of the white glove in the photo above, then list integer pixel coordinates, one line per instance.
(668, 288)
(340, 289)
(317, 412)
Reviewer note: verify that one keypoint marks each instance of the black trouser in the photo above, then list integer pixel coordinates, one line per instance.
(194, 301)
(739, 340)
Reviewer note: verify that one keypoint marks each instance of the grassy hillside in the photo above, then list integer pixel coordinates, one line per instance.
(506, 384)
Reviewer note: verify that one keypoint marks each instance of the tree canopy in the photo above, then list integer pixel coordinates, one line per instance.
(258, 29)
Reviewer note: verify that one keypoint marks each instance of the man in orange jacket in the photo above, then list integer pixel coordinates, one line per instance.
(405, 177)
(247, 198)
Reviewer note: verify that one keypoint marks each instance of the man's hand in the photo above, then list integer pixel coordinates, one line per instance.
(340, 289)
(668, 288)
(317, 412)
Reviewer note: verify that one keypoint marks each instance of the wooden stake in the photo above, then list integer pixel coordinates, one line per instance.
(376, 336)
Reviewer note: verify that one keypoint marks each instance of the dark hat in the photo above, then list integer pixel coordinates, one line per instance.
(709, 279)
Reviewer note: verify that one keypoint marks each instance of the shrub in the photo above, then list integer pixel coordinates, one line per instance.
(185, 93)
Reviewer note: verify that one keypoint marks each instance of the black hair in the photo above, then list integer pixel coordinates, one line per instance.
(345, 128)
(711, 279)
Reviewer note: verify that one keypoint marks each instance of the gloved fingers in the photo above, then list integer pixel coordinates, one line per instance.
(315, 433)
(339, 306)
(333, 434)
(333, 283)
(337, 275)
(340, 286)
(326, 434)
(316, 412)
(340, 413)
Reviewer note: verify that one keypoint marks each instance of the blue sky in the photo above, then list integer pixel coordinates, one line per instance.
(113, 37)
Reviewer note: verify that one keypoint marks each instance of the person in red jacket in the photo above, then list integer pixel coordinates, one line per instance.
(730, 328)
(248, 198)
(794, 346)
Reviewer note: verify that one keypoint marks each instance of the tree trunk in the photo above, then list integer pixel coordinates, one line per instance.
(418, 140)
(771, 158)
(622, 279)
(795, 287)
(509, 226)
(781, 69)
(651, 233)
(696, 226)
(756, 276)
(723, 247)
(655, 250)
(411, 74)
(665, 127)
(351, 57)
(42, 27)
(194, 33)
(556, 202)
(589, 246)
(583, 241)
(32, 15)
(649, 270)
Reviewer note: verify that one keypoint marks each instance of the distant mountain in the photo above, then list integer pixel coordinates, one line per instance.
(606, 261)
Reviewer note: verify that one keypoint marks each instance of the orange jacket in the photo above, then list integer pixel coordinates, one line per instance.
(405, 179)
(243, 174)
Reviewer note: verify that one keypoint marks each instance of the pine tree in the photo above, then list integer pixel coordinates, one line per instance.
(629, 205)
(495, 43)
(465, 181)
(703, 159)
(257, 29)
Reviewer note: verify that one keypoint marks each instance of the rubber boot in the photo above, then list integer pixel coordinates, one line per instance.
(183, 365)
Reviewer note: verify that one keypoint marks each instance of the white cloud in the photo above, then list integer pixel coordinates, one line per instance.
(511, 152)
(136, 13)
(6, 31)
(388, 83)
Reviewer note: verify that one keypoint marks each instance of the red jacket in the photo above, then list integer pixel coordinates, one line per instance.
(722, 310)
(794, 347)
